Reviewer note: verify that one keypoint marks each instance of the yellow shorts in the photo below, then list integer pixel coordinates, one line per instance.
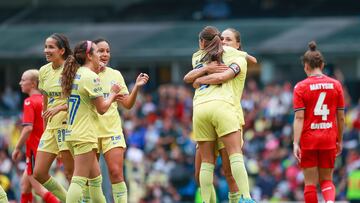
(220, 144)
(80, 147)
(107, 143)
(214, 119)
(53, 141)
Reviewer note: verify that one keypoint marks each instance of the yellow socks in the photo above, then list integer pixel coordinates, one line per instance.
(239, 173)
(75, 192)
(96, 193)
(206, 182)
(119, 192)
(54, 187)
(234, 197)
(3, 197)
(86, 194)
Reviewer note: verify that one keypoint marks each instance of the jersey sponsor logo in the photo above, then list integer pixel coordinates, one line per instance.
(321, 86)
(27, 103)
(97, 89)
(54, 94)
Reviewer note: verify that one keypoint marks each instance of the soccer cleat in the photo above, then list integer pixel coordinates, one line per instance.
(246, 200)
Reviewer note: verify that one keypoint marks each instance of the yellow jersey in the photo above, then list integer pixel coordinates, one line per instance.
(109, 124)
(82, 113)
(238, 82)
(50, 85)
(224, 91)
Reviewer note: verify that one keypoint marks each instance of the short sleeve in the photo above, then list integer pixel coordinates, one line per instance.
(42, 76)
(92, 86)
(298, 101)
(121, 82)
(29, 113)
(340, 100)
(238, 64)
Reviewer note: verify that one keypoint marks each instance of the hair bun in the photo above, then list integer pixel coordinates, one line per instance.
(312, 46)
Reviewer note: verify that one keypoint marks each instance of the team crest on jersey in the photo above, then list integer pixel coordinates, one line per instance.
(96, 81)
(51, 100)
(77, 77)
(27, 103)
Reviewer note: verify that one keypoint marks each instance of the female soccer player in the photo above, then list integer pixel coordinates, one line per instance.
(318, 125)
(85, 99)
(56, 50)
(110, 134)
(209, 121)
(31, 134)
(230, 37)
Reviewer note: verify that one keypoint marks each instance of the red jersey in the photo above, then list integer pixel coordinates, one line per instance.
(320, 96)
(33, 107)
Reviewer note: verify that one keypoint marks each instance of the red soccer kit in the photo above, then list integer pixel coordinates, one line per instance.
(33, 107)
(320, 97)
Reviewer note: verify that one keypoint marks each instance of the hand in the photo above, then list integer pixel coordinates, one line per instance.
(16, 155)
(49, 113)
(120, 97)
(196, 84)
(214, 67)
(296, 151)
(142, 79)
(339, 147)
(115, 88)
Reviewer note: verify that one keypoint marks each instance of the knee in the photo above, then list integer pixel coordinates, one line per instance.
(40, 176)
(116, 174)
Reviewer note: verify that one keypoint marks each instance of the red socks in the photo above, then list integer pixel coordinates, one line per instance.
(310, 195)
(50, 198)
(26, 198)
(328, 190)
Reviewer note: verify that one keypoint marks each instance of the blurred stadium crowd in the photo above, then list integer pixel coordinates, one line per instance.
(160, 156)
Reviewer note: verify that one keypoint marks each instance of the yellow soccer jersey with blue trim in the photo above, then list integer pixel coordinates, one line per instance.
(82, 113)
(206, 93)
(50, 85)
(109, 124)
(237, 59)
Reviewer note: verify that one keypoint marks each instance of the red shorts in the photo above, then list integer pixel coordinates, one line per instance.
(30, 160)
(318, 158)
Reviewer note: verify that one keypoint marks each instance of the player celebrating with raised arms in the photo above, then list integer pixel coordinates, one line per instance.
(110, 134)
(318, 125)
(82, 87)
(56, 50)
(33, 127)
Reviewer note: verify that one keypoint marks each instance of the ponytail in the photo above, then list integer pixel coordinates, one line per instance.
(68, 75)
(213, 45)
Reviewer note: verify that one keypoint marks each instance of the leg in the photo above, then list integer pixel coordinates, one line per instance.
(68, 162)
(238, 170)
(197, 165)
(40, 190)
(83, 164)
(95, 180)
(327, 186)
(114, 160)
(311, 176)
(206, 149)
(26, 195)
(42, 166)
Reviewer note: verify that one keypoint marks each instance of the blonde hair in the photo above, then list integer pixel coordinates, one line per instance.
(33, 75)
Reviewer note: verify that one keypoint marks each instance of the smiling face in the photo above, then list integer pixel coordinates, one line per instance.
(52, 52)
(229, 39)
(104, 52)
